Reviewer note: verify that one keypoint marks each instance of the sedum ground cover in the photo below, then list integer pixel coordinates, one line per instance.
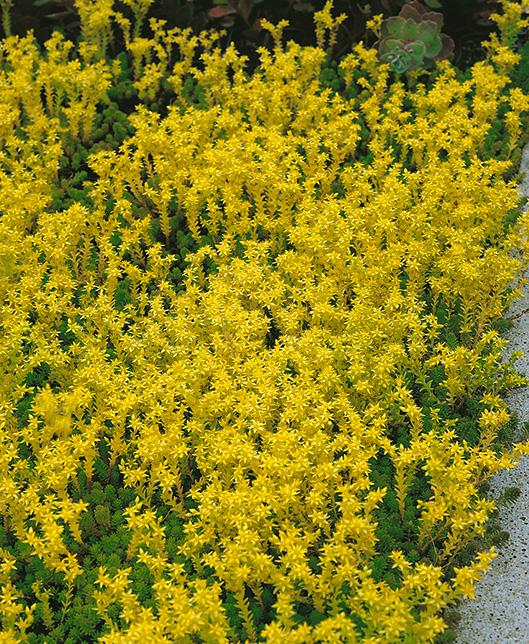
(250, 380)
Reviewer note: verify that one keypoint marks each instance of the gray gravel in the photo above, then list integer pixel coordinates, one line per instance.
(500, 611)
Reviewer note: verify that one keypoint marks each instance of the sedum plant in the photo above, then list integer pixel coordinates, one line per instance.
(413, 39)
(250, 383)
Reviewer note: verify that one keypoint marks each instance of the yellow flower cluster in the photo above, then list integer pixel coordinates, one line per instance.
(267, 391)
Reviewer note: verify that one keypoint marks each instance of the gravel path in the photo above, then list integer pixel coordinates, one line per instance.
(499, 614)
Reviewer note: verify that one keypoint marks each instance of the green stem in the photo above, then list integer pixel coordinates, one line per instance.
(6, 18)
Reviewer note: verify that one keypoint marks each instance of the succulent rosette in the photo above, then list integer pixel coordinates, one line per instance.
(413, 39)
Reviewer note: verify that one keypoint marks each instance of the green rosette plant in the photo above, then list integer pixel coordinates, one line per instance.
(413, 39)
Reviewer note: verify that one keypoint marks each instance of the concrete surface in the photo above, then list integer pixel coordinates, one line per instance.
(499, 614)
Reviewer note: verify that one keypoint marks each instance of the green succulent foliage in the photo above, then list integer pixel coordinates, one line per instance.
(413, 39)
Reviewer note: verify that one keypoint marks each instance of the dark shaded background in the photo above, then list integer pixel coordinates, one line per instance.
(466, 21)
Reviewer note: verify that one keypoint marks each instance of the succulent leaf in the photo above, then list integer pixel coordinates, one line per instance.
(434, 16)
(402, 56)
(428, 33)
(447, 47)
(427, 30)
(409, 12)
(401, 65)
(410, 30)
(389, 46)
(393, 27)
(399, 60)
(417, 51)
(418, 6)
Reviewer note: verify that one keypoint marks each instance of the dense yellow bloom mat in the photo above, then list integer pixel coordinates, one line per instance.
(250, 379)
